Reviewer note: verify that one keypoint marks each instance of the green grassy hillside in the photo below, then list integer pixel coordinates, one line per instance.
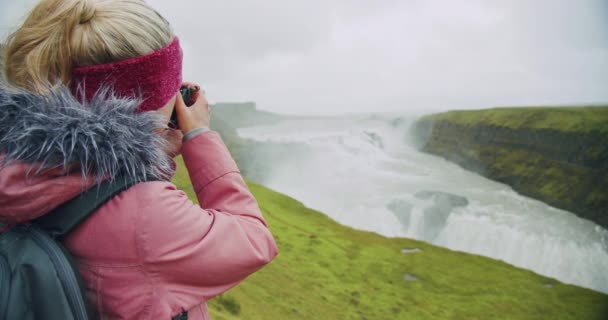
(556, 155)
(328, 271)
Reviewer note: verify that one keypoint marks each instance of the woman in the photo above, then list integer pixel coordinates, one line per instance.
(88, 90)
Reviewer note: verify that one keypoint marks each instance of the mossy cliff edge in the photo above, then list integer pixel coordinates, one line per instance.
(556, 155)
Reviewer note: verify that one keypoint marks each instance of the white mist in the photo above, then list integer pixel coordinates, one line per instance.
(364, 173)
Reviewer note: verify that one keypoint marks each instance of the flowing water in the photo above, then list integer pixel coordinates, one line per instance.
(364, 172)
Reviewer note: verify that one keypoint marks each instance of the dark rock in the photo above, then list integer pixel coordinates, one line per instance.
(402, 210)
(443, 198)
(438, 212)
(375, 139)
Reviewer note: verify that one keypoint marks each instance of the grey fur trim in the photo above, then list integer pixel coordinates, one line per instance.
(106, 136)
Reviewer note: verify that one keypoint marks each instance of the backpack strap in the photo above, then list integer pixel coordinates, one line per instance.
(68, 215)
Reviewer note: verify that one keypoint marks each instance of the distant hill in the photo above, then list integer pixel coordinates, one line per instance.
(245, 114)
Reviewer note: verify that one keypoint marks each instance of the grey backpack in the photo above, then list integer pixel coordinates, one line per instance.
(38, 279)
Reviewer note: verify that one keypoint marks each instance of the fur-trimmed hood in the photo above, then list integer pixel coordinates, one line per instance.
(48, 138)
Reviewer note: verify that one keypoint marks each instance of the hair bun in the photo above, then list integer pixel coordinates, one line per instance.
(88, 11)
(59, 35)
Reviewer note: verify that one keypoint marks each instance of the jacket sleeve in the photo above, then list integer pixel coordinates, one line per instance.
(204, 250)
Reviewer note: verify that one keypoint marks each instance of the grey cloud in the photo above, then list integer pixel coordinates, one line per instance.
(363, 56)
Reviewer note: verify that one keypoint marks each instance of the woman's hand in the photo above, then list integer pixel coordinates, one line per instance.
(197, 115)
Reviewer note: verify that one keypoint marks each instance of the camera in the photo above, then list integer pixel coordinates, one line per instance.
(187, 96)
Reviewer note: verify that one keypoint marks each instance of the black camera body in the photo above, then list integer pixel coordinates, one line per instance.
(187, 96)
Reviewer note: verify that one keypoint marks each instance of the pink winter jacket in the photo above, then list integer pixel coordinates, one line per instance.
(148, 253)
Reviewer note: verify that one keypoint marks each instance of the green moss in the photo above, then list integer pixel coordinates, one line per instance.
(568, 119)
(329, 271)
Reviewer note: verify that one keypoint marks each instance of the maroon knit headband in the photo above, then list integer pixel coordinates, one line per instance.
(156, 77)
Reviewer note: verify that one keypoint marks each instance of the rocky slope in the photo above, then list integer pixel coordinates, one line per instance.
(556, 155)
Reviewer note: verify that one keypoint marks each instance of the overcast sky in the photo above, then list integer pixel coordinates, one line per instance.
(332, 57)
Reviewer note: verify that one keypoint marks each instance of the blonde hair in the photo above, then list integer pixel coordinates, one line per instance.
(59, 35)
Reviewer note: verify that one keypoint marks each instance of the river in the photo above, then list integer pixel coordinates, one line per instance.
(365, 172)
